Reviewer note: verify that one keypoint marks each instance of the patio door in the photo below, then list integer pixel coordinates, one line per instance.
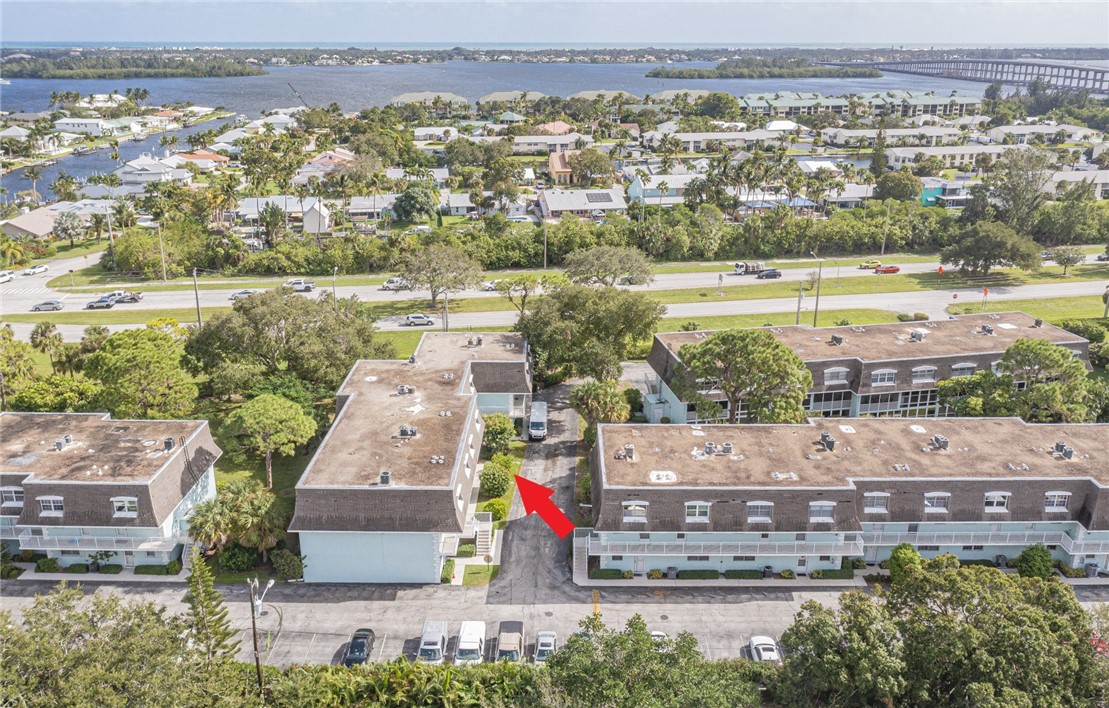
(640, 565)
(129, 559)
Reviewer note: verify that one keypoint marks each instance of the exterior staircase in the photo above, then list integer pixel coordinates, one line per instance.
(483, 533)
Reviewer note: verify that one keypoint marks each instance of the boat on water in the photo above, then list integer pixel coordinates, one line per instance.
(5, 82)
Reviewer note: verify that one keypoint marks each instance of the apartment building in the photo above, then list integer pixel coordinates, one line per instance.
(924, 135)
(953, 156)
(876, 370)
(393, 487)
(537, 144)
(74, 484)
(702, 142)
(1024, 134)
(804, 497)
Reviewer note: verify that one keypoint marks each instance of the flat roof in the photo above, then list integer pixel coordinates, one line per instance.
(365, 438)
(873, 448)
(102, 449)
(889, 342)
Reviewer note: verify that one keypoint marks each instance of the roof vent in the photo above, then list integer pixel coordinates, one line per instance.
(59, 444)
(1063, 450)
(68, 439)
(438, 459)
(727, 448)
(408, 431)
(412, 359)
(1038, 323)
(386, 478)
(629, 452)
(837, 340)
(827, 441)
(939, 442)
(987, 329)
(403, 390)
(710, 448)
(900, 468)
(167, 444)
(917, 336)
(448, 376)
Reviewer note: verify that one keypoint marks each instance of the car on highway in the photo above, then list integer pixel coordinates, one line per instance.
(887, 269)
(418, 321)
(35, 270)
(489, 285)
(546, 643)
(104, 303)
(1047, 255)
(769, 273)
(6, 276)
(48, 306)
(870, 264)
(127, 297)
(359, 648)
(765, 648)
(1100, 257)
(242, 293)
(395, 284)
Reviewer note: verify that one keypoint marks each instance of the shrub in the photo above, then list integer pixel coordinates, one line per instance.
(920, 316)
(634, 397)
(29, 556)
(915, 317)
(47, 565)
(237, 559)
(833, 574)
(606, 574)
(979, 561)
(817, 574)
(448, 571)
(690, 326)
(788, 574)
(498, 508)
(287, 565)
(111, 568)
(495, 479)
(654, 574)
(876, 578)
(853, 564)
(78, 568)
(499, 431)
(467, 550)
(884, 565)
(743, 574)
(173, 567)
(698, 575)
(627, 575)
(10, 572)
(1034, 562)
(1087, 329)
(1099, 354)
(903, 557)
(150, 569)
(1070, 571)
(664, 419)
(843, 323)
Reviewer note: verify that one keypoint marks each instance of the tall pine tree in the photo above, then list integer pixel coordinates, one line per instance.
(208, 623)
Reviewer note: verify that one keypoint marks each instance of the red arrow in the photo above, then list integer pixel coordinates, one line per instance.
(537, 498)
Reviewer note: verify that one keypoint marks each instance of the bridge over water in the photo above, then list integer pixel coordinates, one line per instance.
(1061, 75)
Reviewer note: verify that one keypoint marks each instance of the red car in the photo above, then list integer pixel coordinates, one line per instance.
(888, 269)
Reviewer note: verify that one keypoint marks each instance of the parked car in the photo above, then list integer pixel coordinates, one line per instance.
(395, 284)
(418, 321)
(35, 270)
(765, 649)
(546, 643)
(360, 648)
(769, 273)
(242, 293)
(870, 264)
(48, 306)
(659, 636)
(1047, 255)
(6, 276)
(104, 303)
(128, 298)
(510, 641)
(471, 644)
(888, 269)
(519, 219)
(433, 643)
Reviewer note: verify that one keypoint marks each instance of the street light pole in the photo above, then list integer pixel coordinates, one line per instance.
(255, 610)
(334, 288)
(819, 277)
(196, 294)
(161, 252)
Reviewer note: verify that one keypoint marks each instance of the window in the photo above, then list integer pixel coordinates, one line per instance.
(618, 558)
(12, 496)
(876, 503)
(51, 506)
(696, 558)
(825, 559)
(125, 506)
(936, 502)
(822, 511)
(835, 376)
(972, 548)
(924, 374)
(997, 501)
(928, 548)
(635, 511)
(697, 512)
(963, 370)
(71, 553)
(744, 559)
(1056, 501)
(885, 377)
(759, 512)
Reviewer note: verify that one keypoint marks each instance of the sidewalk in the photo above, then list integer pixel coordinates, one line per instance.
(461, 563)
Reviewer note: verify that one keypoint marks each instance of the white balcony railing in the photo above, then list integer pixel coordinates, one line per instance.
(756, 548)
(97, 543)
(1021, 538)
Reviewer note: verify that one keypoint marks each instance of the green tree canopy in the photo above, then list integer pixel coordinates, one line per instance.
(208, 625)
(57, 394)
(986, 244)
(269, 424)
(1016, 185)
(608, 266)
(902, 186)
(440, 270)
(600, 402)
(142, 377)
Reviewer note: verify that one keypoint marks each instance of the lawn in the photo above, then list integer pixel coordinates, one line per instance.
(80, 248)
(1054, 309)
(826, 318)
(94, 279)
(516, 450)
(116, 315)
(220, 577)
(476, 575)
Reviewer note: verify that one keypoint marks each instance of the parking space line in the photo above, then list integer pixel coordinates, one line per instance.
(309, 647)
(596, 602)
(381, 653)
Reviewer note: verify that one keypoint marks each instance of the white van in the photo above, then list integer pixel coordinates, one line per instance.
(537, 423)
(471, 644)
(433, 643)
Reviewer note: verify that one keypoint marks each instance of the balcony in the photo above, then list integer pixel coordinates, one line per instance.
(1024, 538)
(97, 543)
(597, 547)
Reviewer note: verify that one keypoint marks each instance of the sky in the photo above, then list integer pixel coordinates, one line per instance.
(561, 23)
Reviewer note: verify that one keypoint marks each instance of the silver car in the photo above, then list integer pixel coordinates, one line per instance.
(546, 643)
(48, 306)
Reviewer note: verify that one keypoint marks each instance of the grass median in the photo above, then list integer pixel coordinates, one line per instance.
(1052, 309)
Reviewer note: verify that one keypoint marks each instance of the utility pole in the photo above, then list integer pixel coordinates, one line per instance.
(446, 310)
(254, 633)
(162, 251)
(819, 277)
(885, 229)
(799, 296)
(334, 288)
(196, 294)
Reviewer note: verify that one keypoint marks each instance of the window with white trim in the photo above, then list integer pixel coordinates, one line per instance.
(1056, 501)
(759, 512)
(936, 502)
(11, 496)
(822, 512)
(924, 374)
(876, 503)
(964, 369)
(697, 512)
(835, 376)
(997, 501)
(51, 506)
(884, 377)
(125, 506)
(635, 511)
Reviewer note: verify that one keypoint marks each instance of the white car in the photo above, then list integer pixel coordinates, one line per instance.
(765, 649)
(546, 643)
(6, 276)
(418, 321)
(489, 285)
(242, 293)
(519, 219)
(395, 284)
(35, 270)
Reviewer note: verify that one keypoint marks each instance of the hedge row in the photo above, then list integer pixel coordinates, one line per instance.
(171, 568)
(698, 575)
(606, 574)
(837, 574)
(743, 574)
(111, 568)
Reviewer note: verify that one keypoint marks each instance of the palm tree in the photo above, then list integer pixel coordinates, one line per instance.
(663, 190)
(33, 173)
(169, 141)
(64, 187)
(11, 251)
(97, 224)
(211, 524)
(600, 402)
(260, 521)
(124, 215)
(45, 338)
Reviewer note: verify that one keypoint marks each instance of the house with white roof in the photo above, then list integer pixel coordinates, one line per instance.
(146, 169)
(849, 196)
(371, 208)
(535, 144)
(1023, 134)
(587, 203)
(700, 142)
(95, 127)
(1066, 179)
(924, 135)
(953, 156)
(649, 189)
(436, 133)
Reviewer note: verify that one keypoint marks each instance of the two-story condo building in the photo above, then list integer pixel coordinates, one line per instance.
(393, 486)
(804, 497)
(74, 484)
(882, 370)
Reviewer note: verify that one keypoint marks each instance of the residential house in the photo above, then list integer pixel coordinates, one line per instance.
(146, 169)
(371, 208)
(437, 133)
(1062, 180)
(438, 175)
(537, 144)
(850, 196)
(36, 224)
(1024, 134)
(459, 204)
(249, 209)
(949, 193)
(558, 167)
(648, 190)
(75, 484)
(447, 101)
(203, 160)
(587, 203)
(95, 127)
(703, 142)
(556, 127)
(953, 156)
(885, 369)
(323, 164)
(393, 487)
(924, 135)
(510, 118)
(806, 497)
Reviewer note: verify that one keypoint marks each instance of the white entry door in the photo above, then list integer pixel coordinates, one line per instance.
(129, 559)
(640, 566)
